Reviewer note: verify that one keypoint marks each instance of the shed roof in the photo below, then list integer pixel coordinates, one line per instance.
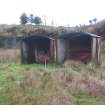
(38, 36)
(71, 35)
(41, 32)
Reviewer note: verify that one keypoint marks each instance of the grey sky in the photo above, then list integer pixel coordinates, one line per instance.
(62, 12)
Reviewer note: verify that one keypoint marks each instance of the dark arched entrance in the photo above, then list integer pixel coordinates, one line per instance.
(36, 49)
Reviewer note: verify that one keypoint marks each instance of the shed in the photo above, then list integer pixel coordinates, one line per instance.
(48, 47)
(79, 46)
(38, 47)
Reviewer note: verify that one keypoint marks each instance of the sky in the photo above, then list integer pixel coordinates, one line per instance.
(60, 12)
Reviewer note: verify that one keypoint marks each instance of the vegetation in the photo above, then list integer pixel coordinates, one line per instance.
(72, 83)
(93, 21)
(24, 19)
(99, 28)
(37, 20)
(9, 56)
(77, 84)
(31, 18)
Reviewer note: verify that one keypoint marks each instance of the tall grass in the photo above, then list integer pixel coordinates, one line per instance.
(9, 55)
(73, 83)
(30, 85)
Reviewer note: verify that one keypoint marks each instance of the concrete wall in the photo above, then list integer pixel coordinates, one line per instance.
(10, 42)
(61, 50)
(96, 46)
(24, 53)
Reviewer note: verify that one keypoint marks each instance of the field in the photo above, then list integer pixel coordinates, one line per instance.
(10, 55)
(70, 84)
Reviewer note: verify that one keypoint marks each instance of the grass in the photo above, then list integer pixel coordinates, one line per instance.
(86, 100)
(71, 84)
(55, 85)
(9, 55)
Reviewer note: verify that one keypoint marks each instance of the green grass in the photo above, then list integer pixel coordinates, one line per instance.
(87, 100)
(10, 73)
(42, 86)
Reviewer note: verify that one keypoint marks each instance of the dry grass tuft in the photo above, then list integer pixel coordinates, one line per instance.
(77, 82)
(57, 99)
(76, 65)
(45, 88)
(41, 87)
(9, 55)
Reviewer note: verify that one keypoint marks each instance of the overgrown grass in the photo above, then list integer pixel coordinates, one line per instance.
(9, 55)
(54, 85)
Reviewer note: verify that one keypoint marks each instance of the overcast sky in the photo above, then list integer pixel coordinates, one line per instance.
(62, 12)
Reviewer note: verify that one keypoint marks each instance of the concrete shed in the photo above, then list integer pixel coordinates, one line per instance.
(46, 47)
(79, 46)
(38, 47)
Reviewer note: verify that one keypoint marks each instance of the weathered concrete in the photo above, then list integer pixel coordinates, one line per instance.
(61, 50)
(10, 42)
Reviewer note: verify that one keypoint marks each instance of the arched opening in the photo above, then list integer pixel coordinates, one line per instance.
(37, 49)
(80, 48)
(75, 46)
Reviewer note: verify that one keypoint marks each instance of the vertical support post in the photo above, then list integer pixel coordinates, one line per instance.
(61, 50)
(55, 50)
(45, 64)
(96, 46)
(52, 50)
(94, 49)
(98, 49)
(23, 52)
(36, 55)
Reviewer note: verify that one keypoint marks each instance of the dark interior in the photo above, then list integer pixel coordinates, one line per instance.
(80, 48)
(38, 49)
